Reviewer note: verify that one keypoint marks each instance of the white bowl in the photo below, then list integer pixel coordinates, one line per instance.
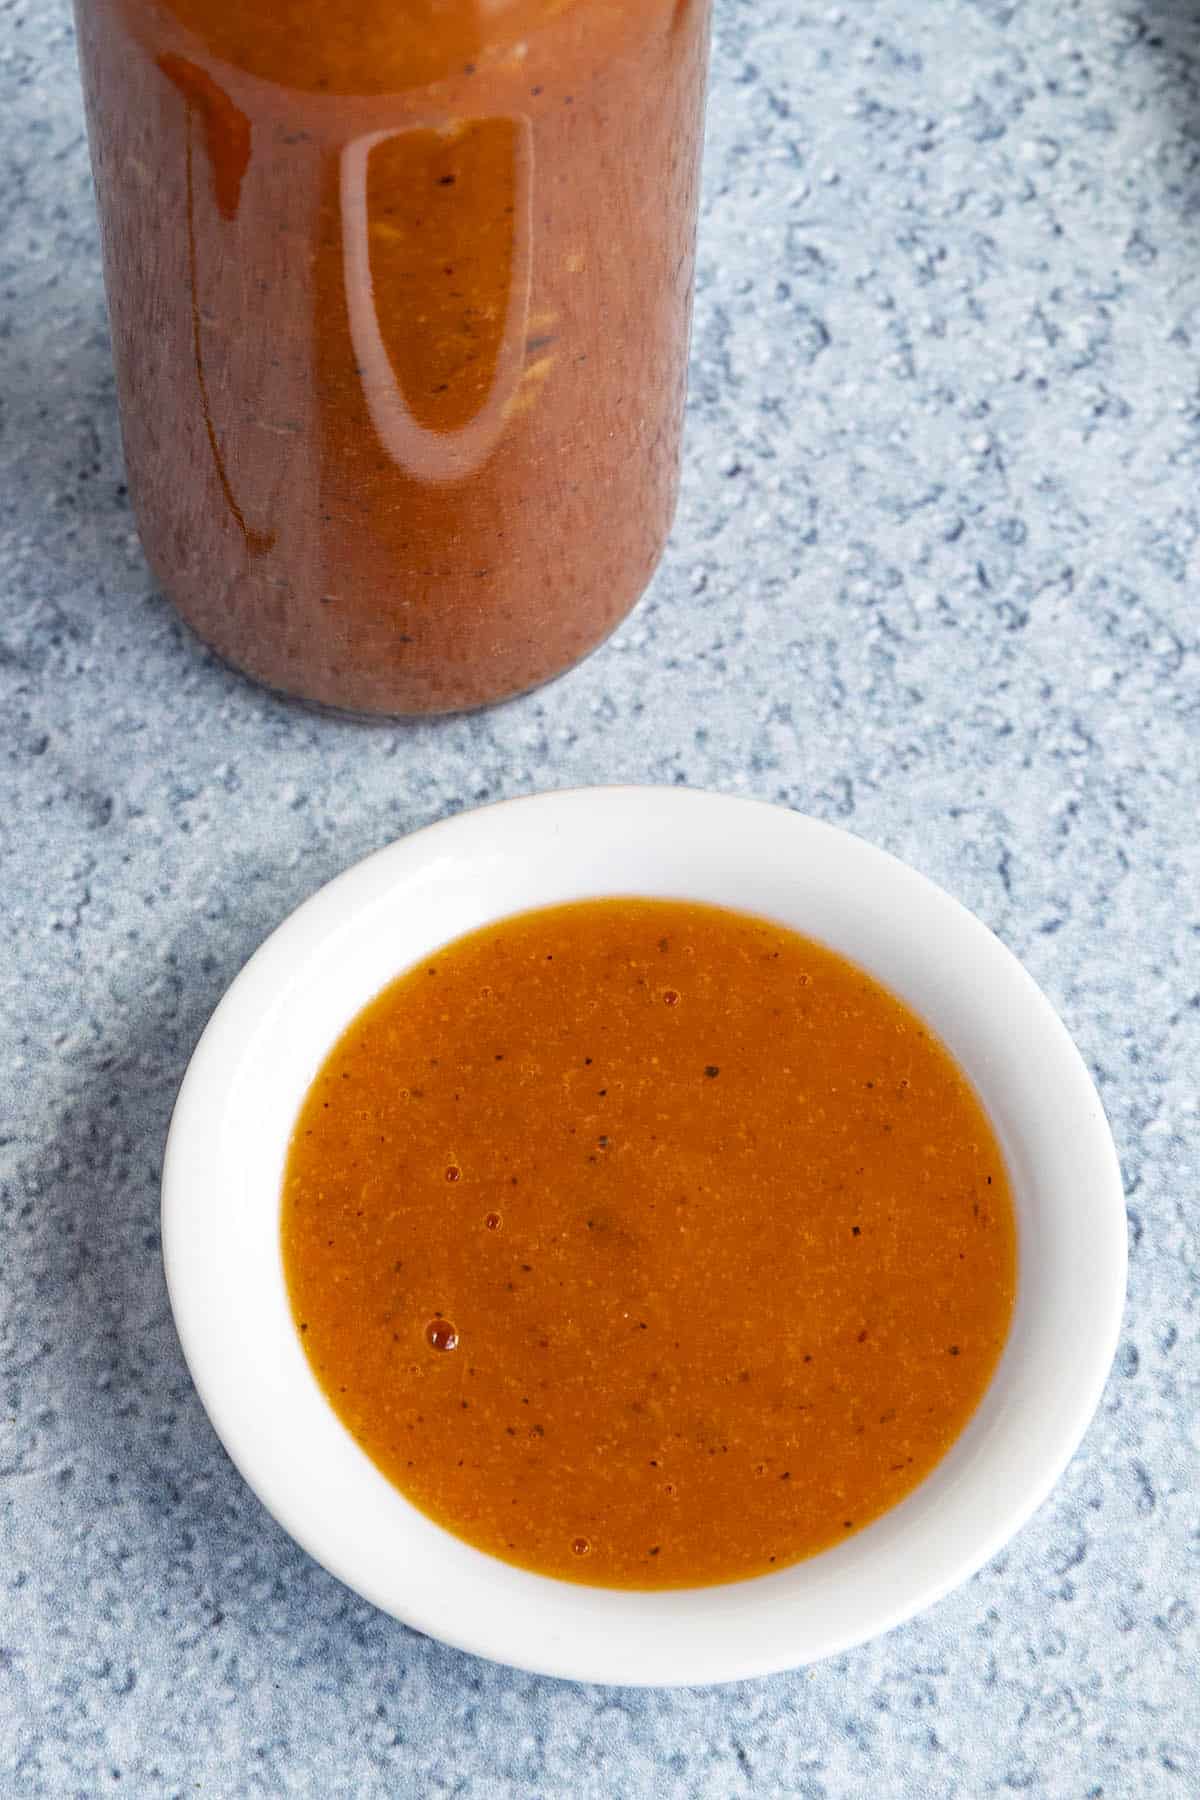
(221, 1199)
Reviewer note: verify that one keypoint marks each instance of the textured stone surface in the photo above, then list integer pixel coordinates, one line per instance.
(933, 578)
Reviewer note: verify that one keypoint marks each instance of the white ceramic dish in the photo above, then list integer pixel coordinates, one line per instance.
(221, 1184)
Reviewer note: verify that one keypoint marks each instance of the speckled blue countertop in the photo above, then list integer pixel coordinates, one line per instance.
(934, 580)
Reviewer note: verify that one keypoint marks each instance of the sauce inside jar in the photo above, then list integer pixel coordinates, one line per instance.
(647, 1244)
(400, 294)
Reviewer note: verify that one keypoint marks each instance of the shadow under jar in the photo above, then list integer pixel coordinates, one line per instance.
(400, 295)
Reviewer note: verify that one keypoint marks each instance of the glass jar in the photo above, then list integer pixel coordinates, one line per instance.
(400, 294)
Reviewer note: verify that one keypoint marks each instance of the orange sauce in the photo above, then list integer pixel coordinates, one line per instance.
(647, 1244)
(400, 294)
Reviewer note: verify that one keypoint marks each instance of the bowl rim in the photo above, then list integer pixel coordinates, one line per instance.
(248, 1380)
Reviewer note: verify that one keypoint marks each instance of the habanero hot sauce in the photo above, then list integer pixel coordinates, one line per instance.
(647, 1244)
(400, 294)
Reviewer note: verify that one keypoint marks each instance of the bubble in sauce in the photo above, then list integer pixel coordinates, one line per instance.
(441, 1335)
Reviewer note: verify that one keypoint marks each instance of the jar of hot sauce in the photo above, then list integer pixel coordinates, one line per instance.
(400, 294)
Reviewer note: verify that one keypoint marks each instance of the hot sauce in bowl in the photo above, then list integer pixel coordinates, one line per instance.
(646, 1243)
(573, 1595)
